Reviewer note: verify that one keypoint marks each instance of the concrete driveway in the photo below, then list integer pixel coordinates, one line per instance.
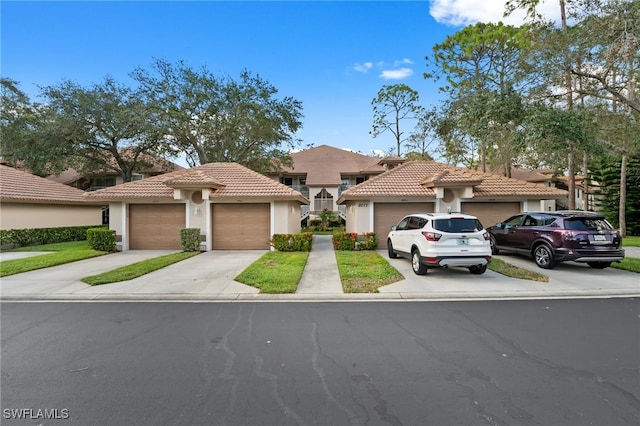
(210, 276)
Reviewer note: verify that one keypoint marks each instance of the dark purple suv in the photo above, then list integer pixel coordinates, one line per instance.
(551, 237)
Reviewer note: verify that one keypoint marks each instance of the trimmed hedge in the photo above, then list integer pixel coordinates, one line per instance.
(102, 239)
(190, 239)
(38, 236)
(292, 242)
(353, 241)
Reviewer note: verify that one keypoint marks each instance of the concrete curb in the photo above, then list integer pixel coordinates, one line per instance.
(318, 297)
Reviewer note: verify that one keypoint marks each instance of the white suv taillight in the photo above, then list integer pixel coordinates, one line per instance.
(486, 236)
(432, 236)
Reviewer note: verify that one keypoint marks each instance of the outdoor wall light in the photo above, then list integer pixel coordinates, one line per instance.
(196, 211)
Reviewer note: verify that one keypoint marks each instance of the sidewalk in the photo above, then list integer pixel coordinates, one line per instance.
(321, 274)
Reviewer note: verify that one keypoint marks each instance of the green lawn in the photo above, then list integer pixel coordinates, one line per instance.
(628, 264)
(365, 271)
(631, 242)
(62, 253)
(513, 271)
(138, 269)
(276, 272)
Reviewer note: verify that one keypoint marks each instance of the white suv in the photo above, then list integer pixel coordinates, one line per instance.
(441, 240)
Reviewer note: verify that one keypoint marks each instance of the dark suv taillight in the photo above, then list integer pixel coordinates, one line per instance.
(432, 236)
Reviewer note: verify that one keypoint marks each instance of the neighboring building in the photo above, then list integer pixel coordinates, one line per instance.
(29, 201)
(149, 165)
(322, 173)
(549, 178)
(234, 207)
(428, 186)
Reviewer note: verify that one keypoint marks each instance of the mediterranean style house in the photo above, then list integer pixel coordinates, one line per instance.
(429, 186)
(29, 201)
(323, 173)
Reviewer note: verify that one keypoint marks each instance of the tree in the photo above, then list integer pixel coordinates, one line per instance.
(25, 135)
(482, 67)
(96, 123)
(220, 119)
(393, 104)
(423, 136)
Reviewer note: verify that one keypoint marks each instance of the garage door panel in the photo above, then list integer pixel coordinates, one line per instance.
(493, 212)
(155, 226)
(241, 226)
(388, 214)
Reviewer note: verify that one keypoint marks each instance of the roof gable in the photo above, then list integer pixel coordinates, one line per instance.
(324, 165)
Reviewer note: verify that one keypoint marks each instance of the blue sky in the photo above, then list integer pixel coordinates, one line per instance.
(333, 56)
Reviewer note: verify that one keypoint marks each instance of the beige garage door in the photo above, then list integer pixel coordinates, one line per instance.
(241, 226)
(385, 215)
(491, 213)
(155, 226)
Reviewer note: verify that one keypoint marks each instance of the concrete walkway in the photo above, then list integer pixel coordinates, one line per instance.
(321, 274)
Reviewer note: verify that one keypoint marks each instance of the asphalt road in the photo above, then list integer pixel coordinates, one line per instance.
(552, 362)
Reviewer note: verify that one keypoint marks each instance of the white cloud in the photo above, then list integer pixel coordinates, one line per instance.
(396, 74)
(363, 67)
(468, 12)
(404, 61)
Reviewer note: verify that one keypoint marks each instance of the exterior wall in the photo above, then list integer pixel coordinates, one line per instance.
(27, 215)
(117, 217)
(285, 218)
(315, 190)
(359, 216)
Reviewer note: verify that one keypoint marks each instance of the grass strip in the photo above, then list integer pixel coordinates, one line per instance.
(631, 264)
(365, 271)
(138, 269)
(69, 245)
(631, 242)
(276, 272)
(17, 266)
(504, 268)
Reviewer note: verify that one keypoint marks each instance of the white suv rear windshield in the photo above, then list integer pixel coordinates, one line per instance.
(457, 224)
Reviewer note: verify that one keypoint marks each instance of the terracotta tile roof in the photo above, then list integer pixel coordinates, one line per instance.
(18, 186)
(417, 179)
(150, 165)
(325, 164)
(231, 180)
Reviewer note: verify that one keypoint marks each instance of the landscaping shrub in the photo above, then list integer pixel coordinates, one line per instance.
(38, 236)
(102, 239)
(353, 241)
(190, 239)
(292, 242)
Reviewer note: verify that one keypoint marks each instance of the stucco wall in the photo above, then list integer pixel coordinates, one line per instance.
(359, 216)
(286, 217)
(24, 215)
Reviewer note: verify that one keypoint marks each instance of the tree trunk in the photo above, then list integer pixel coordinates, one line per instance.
(585, 182)
(623, 196)
(572, 182)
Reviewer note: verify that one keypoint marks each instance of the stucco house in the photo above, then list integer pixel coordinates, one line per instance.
(234, 207)
(429, 186)
(322, 173)
(29, 201)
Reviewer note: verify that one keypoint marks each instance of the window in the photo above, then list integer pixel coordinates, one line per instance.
(360, 179)
(136, 176)
(287, 181)
(457, 225)
(403, 224)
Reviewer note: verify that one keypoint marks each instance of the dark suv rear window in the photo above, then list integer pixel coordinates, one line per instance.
(457, 225)
(586, 224)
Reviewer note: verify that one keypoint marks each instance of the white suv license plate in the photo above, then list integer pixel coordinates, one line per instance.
(463, 241)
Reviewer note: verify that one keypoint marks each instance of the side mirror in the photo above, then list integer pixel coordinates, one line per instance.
(393, 228)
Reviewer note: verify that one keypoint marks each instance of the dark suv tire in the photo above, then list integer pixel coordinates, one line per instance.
(418, 267)
(543, 256)
(494, 248)
(390, 251)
